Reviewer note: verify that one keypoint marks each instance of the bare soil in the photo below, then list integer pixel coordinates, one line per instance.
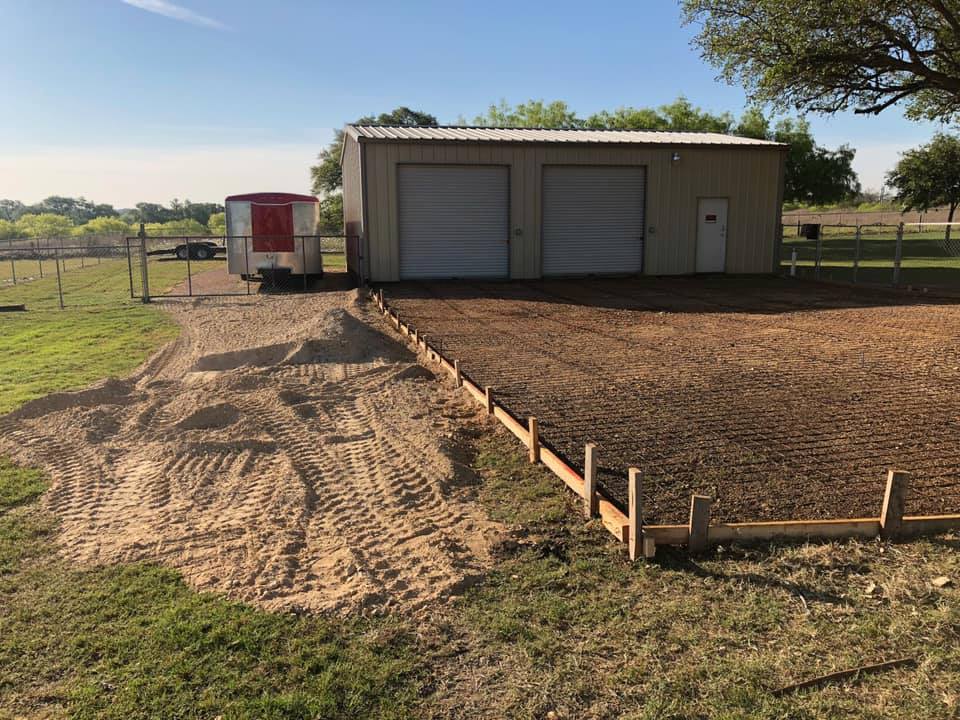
(781, 400)
(280, 451)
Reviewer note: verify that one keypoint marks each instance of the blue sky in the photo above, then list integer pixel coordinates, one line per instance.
(146, 100)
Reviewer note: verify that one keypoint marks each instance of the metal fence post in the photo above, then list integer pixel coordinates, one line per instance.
(129, 267)
(856, 253)
(13, 268)
(144, 273)
(819, 259)
(39, 257)
(898, 255)
(303, 254)
(246, 264)
(189, 277)
(56, 258)
(793, 262)
(63, 258)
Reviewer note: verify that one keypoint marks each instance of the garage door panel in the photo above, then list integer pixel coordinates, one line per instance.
(454, 221)
(593, 219)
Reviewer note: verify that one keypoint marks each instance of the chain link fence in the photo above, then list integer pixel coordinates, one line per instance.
(921, 255)
(76, 272)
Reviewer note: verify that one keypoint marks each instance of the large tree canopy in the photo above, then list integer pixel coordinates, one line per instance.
(929, 176)
(832, 55)
(535, 113)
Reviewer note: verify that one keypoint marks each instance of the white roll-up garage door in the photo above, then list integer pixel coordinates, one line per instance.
(454, 221)
(593, 219)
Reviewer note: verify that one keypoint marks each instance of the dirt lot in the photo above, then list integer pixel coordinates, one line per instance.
(780, 400)
(280, 451)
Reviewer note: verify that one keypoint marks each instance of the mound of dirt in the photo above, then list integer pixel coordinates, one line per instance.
(281, 451)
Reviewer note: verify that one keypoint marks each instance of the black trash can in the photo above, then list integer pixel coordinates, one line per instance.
(810, 231)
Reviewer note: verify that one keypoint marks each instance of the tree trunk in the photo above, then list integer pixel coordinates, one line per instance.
(953, 208)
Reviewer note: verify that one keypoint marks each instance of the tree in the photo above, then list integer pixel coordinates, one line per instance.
(331, 215)
(679, 116)
(217, 223)
(43, 225)
(103, 226)
(176, 228)
(929, 176)
(79, 210)
(8, 229)
(12, 210)
(532, 114)
(833, 55)
(815, 175)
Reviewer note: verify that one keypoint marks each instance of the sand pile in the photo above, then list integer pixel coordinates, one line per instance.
(281, 451)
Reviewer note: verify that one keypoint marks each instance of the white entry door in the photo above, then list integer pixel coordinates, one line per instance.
(711, 235)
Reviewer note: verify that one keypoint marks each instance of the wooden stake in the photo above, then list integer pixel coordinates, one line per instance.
(534, 445)
(635, 502)
(891, 514)
(458, 376)
(699, 523)
(488, 392)
(591, 502)
(649, 545)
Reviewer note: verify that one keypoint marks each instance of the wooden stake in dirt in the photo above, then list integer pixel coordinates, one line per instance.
(894, 497)
(488, 393)
(699, 523)
(458, 376)
(591, 501)
(534, 444)
(635, 502)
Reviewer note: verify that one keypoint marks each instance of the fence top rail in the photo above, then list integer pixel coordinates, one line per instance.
(208, 238)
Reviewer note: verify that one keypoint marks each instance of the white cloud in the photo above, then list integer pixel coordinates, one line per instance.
(176, 12)
(125, 176)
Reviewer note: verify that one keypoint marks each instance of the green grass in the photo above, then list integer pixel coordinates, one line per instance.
(335, 261)
(924, 262)
(101, 333)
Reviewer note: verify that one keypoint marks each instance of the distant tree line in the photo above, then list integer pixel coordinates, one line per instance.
(58, 216)
(814, 174)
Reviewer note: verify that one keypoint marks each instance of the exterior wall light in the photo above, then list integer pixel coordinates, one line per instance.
(675, 156)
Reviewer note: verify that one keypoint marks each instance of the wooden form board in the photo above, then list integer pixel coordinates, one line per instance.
(618, 524)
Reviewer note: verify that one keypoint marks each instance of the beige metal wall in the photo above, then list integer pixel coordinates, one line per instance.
(352, 195)
(751, 178)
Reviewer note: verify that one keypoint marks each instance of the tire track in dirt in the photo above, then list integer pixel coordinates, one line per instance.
(304, 463)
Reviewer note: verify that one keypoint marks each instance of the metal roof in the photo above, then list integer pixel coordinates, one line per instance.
(544, 135)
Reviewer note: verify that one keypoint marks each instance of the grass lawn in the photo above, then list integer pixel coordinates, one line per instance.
(101, 333)
(924, 261)
(563, 623)
(334, 261)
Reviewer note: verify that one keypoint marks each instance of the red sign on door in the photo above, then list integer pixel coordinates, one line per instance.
(272, 227)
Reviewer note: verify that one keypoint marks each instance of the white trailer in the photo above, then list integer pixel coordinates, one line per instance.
(273, 235)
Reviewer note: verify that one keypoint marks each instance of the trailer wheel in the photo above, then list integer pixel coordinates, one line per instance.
(203, 252)
(181, 252)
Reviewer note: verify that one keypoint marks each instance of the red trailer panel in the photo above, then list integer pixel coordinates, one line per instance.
(272, 227)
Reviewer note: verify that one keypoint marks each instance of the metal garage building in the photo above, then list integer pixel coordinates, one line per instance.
(498, 203)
